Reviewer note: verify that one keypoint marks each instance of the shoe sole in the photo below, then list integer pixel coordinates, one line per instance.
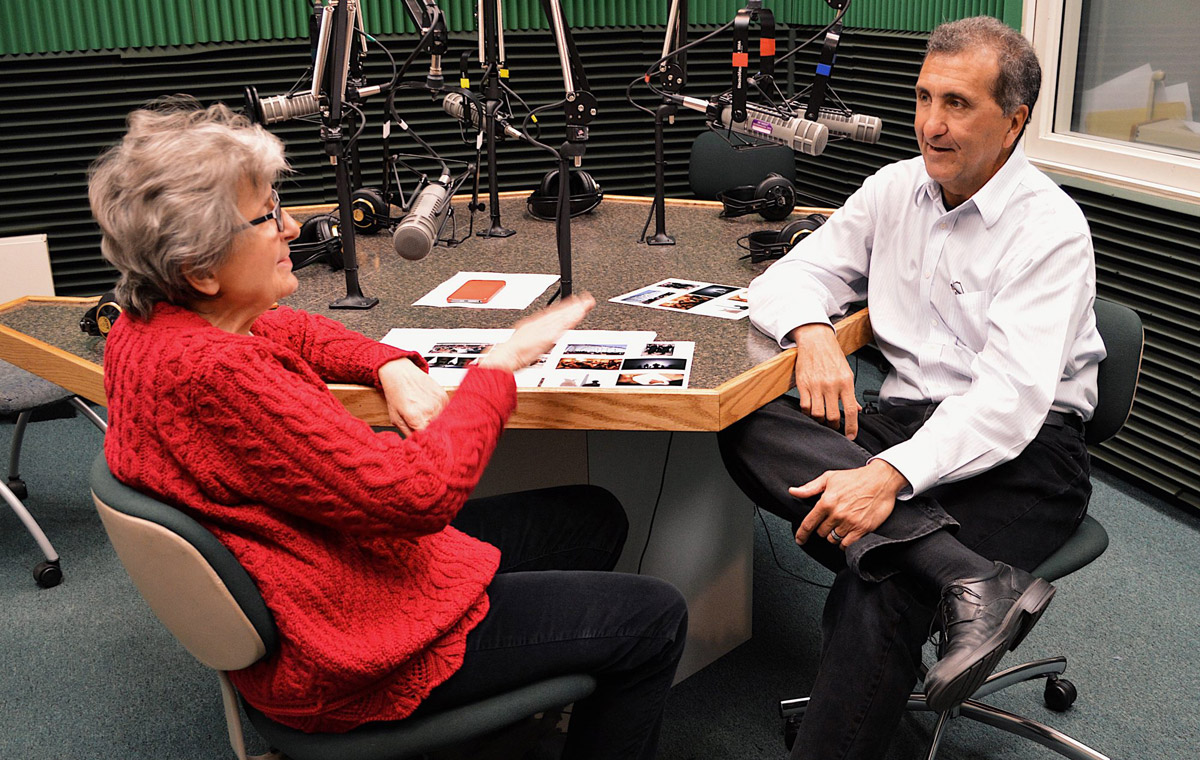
(1016, 625)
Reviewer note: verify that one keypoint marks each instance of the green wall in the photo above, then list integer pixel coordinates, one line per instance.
(54, 26)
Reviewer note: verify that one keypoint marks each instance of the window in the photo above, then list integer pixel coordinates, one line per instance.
(1117, 88)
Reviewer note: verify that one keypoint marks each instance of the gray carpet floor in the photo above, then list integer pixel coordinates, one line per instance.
(87, 672)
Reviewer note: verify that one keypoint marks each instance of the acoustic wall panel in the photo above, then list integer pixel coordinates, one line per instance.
(53, 26)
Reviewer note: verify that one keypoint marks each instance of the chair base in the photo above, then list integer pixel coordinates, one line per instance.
(1059, 695)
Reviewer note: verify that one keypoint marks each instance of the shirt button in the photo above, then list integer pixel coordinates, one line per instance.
(942, 226)
(927, 274)
(933, 322)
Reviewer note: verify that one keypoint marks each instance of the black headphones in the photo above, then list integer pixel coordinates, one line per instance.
(99, 319)
(765, 245)
(318, 241)
(772, 199)
(369, 210)
(585, 195)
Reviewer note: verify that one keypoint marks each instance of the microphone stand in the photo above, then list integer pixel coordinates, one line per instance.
(673, 73)
(345, 16)
(491, 55)
(579, 108)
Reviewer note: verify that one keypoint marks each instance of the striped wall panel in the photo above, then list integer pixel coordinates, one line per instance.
(51, 26)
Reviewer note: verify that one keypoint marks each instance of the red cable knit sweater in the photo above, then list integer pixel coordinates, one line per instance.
(344, 530)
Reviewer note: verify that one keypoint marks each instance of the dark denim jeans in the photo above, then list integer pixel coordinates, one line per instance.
(556, 609)
(876, 619)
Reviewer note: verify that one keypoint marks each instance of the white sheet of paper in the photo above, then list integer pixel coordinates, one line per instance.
(1176, 93)
(1129, 90)
(592, 358)
(676, 294)
(518, 292)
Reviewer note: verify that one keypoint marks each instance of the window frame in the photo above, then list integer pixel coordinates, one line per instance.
(1081, 157)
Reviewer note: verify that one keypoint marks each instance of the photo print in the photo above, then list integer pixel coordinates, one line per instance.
(704, 298)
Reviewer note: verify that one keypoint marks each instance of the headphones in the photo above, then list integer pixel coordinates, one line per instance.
(772, 199)
(585, 195)
(99, 319)
(369, 210)
(765, 245)
(318, 241)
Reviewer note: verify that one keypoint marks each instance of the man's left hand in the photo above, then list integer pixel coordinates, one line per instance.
(853, 502)
(413, 397)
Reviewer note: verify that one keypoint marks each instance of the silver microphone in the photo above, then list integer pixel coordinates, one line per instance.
(453, 104)
(856, 126)
(277, 108)
(418, 231)
(796, 132)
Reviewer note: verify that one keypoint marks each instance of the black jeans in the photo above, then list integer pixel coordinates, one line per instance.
(556, 609)
(875, 619)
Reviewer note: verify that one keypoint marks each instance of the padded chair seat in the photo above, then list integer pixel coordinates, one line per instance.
(1087, 543)
(21, 391)
(415, 736)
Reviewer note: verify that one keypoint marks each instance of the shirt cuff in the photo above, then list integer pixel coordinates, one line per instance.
(800, 318)
(915, 464)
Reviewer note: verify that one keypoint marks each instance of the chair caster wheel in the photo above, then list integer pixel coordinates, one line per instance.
(17, 486)
(47, 574)
(791, 727)
(1059, 694)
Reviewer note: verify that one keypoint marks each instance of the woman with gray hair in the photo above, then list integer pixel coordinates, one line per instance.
(392, 592)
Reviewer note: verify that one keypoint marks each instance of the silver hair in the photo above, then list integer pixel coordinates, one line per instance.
(1020, 75)
(166, 196)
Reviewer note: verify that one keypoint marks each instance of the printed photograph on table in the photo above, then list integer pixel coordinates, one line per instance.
(460, 348)
(596, 348)
(704, 298)
(654, 362)
(575, 379)
(651, 379)
(650, 295)
(448, 362)
(678, 284)
(587, 362)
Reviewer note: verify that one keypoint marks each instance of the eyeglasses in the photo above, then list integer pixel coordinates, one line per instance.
(275, 213)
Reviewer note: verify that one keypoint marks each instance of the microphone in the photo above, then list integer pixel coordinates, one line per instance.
(858, 127)
(277, 108)
(454, 104)
(418, 231)
(764, 123)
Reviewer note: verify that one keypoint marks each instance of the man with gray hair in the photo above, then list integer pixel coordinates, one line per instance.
(980, 277)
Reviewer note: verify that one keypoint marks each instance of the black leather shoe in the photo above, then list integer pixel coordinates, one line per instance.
(982, 618)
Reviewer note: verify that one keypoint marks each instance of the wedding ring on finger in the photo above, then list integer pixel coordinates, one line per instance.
(834, 537)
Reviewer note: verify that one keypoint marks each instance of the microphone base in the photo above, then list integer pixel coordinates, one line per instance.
(660, 238)
(359, 302)
(496, 231)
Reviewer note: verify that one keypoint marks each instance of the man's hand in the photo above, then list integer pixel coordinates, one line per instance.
(823, 378)
(413, 397)
(537, 334)
(853, 502)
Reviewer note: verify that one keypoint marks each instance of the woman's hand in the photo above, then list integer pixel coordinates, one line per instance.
(537, 334)
(413, 397)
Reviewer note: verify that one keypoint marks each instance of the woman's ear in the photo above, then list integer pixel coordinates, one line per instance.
(206, 285)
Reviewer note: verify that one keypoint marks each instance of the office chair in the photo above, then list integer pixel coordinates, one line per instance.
(715, 166)
(25, 394)
(204, 596)
(1121, 329)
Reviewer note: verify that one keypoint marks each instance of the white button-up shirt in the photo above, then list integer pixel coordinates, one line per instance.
(986, 309)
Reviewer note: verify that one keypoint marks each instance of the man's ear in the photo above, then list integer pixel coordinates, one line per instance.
(206, 285)
(1016, 124)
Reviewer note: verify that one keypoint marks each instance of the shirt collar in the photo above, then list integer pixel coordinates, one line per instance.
(991, 199)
